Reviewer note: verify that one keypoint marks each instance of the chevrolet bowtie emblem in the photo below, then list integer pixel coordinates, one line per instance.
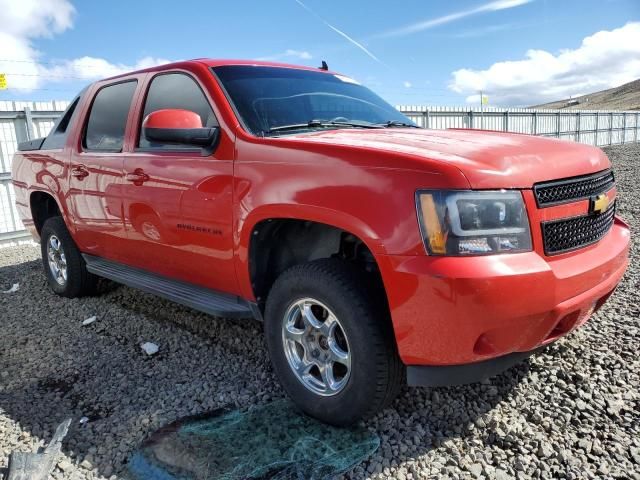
(599, 203)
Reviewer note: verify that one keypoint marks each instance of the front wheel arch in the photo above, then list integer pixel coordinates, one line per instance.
(277, 244)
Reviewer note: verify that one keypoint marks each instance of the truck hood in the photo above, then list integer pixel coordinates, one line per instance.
(487, 159)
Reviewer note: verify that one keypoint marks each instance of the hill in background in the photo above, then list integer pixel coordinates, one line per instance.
(624, 97)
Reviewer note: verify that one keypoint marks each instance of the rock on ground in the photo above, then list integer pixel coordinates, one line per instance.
(571, 412)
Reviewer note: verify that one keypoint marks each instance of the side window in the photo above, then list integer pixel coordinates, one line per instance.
(58, 135)
(108, 117)
(175, 90)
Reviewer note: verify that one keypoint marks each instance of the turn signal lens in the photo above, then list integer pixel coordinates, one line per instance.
(473, 222)
(436, 236)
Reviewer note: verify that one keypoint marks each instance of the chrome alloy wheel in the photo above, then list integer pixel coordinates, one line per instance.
(316, 347)
(57, 260)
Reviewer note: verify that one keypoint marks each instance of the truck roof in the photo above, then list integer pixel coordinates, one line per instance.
(216, 62)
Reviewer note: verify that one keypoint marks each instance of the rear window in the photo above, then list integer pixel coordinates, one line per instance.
(108, 117)
(58, 135)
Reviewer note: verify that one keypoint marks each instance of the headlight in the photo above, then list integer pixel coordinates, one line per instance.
(473, 222)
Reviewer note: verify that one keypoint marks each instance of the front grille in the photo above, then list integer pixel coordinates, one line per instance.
(572, 189)
(571, 233)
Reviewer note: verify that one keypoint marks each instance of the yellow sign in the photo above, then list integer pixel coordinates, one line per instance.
(600, 203)
(485, 99)
(3, 81)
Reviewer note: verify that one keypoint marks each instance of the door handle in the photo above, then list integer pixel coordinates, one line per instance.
(79, 172)
(138, 177)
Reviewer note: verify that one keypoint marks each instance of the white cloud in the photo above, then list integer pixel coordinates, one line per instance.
(452, 17)
(289, 53)
(407, 84)
(91, 68)
(24, 21)
(13, 53)
(303, 55)
(36, 18)
(603, 60)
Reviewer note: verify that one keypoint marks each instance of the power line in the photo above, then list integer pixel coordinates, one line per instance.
(59, 64)
(44, 89)
(413, 91)
(33, 62)
(44, 76)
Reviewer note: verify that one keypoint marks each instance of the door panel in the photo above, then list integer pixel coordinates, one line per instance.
(177, 204)
(95, 174)
(179, 220)
(96, 205)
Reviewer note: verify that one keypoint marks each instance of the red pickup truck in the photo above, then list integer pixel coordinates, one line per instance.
(375, 252)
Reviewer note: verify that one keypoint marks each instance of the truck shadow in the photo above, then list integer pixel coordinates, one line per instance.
(52, 367)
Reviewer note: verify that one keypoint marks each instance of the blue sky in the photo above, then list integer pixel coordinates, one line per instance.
(411, 52)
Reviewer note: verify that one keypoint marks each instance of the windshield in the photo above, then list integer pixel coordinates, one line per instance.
(267, 98)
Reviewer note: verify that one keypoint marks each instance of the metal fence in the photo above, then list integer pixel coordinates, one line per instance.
(592, 127)
(20, 121)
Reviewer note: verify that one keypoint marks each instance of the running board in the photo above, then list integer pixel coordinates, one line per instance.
(199, 298)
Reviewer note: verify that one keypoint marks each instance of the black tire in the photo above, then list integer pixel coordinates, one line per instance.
(79, 281)
(376, 374)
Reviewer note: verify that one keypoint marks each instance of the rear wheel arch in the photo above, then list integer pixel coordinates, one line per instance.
(43, 206)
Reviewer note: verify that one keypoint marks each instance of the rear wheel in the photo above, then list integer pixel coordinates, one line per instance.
(64, 267)
(331, 343)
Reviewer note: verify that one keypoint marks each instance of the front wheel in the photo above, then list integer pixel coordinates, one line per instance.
(64, 267)
(331, 343)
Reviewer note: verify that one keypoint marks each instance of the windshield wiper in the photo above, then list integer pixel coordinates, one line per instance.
(323, 124)
(397, 123)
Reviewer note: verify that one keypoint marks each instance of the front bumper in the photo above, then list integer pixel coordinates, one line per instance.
(448, 375)
(461, 310)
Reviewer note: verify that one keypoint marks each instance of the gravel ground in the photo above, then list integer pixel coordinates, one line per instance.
(571, 412)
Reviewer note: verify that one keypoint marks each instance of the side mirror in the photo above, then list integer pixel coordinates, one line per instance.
(180, 127)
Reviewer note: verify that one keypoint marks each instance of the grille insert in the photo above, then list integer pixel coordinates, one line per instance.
(572, 233)
(572, 189)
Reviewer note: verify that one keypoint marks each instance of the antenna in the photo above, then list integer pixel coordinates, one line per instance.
(324, 66)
